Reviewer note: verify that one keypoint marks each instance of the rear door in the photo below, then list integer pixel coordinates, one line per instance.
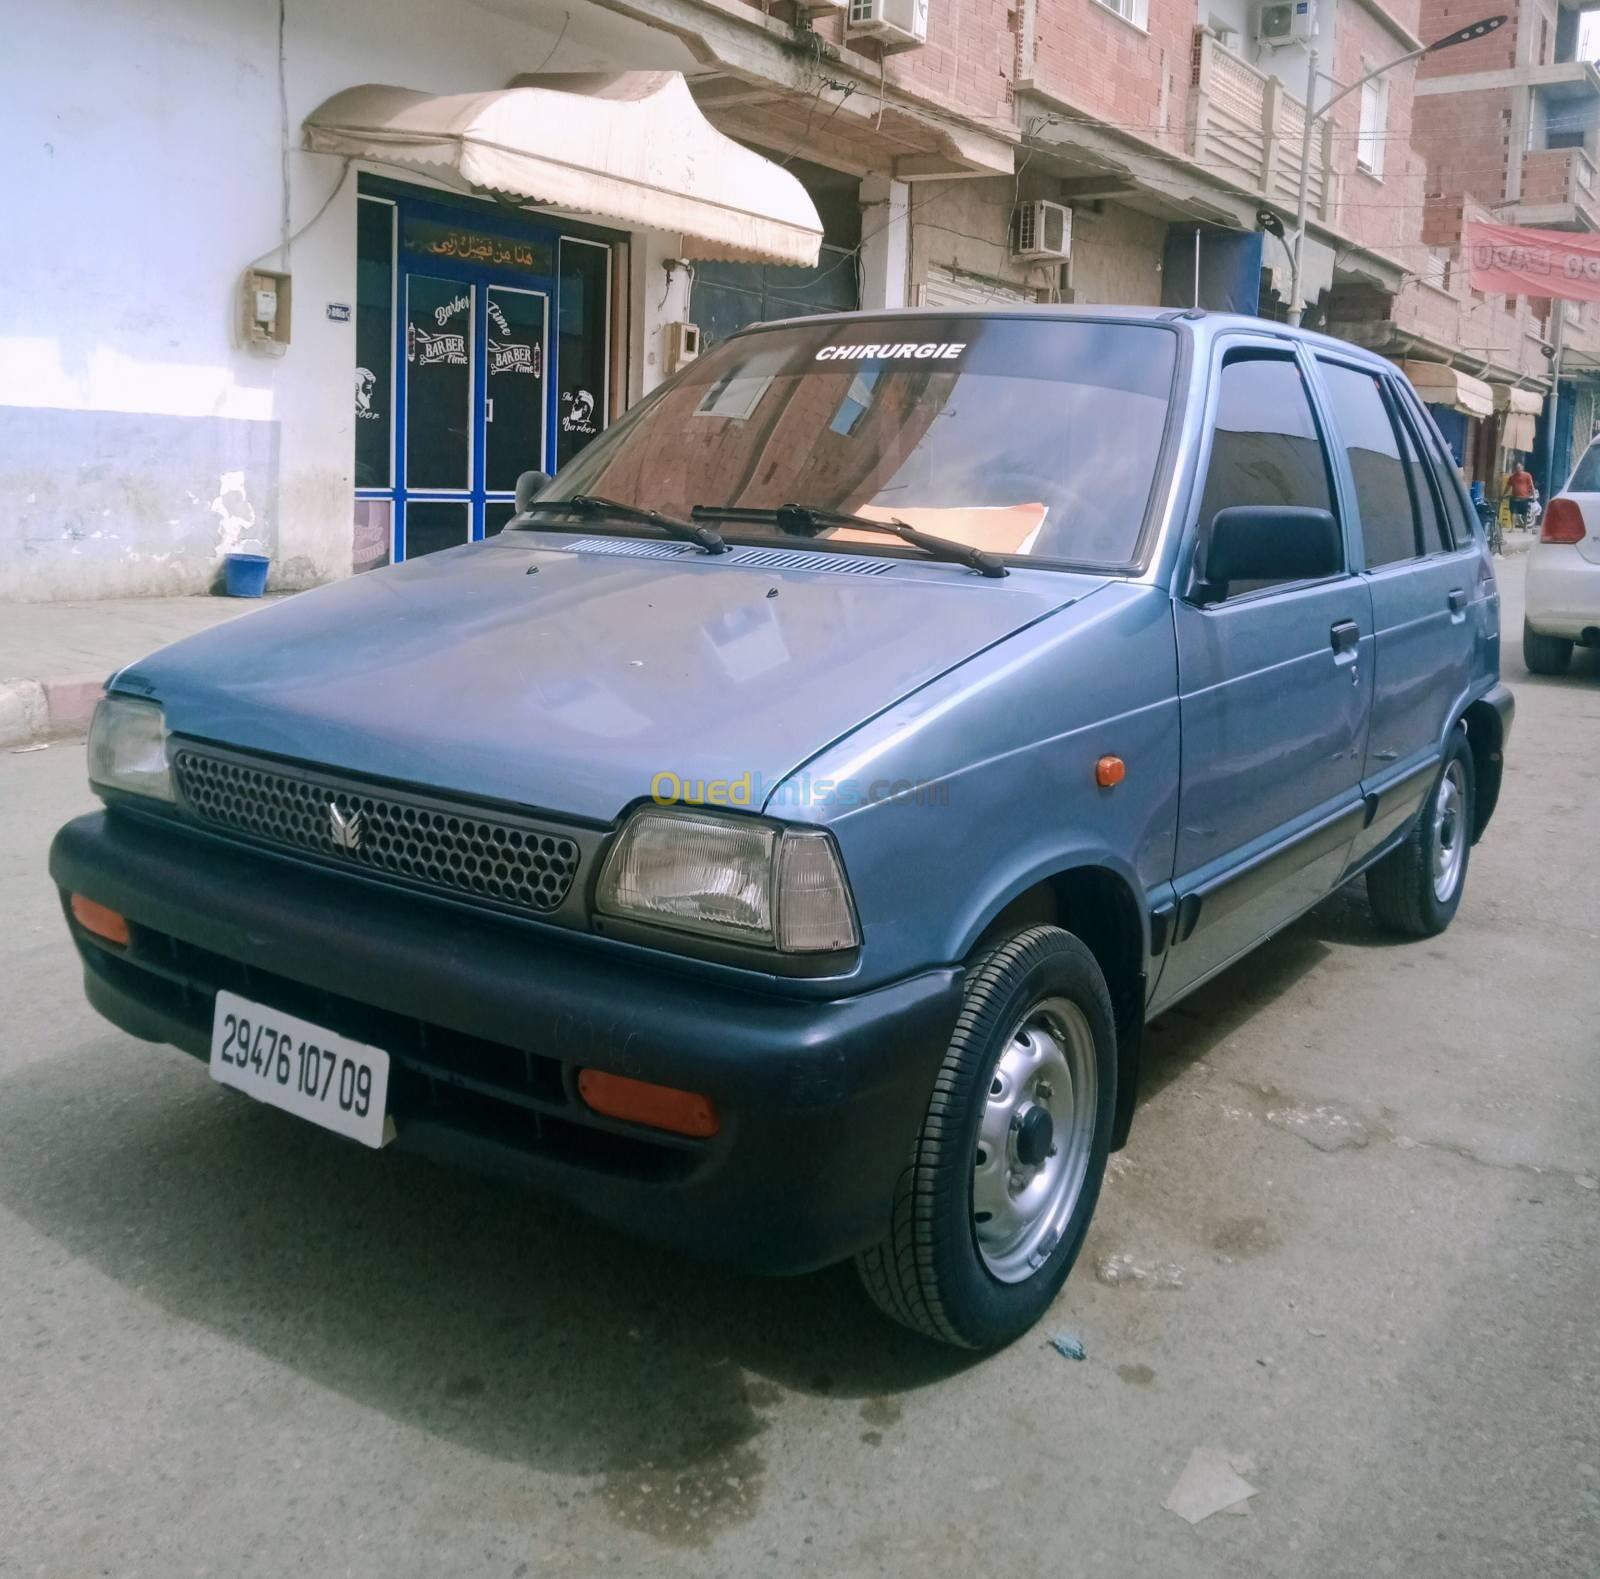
(1423, 586)
(1274, 686)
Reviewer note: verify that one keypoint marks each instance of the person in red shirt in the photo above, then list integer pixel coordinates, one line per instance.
(1522, 490)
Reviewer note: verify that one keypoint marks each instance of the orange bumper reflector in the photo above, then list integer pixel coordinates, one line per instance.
(640, 1102)
(1110, 771)
(104, 923)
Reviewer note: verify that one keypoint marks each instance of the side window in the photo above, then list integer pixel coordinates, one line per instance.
(1460, 522)
(1424, 485)
(1265, 448)
(1383, 478)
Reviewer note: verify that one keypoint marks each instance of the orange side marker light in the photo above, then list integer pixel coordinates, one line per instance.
(1110, 771)
(642, 1102)
(102, 921)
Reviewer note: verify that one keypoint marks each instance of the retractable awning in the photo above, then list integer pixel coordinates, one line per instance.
(1439, 384)
(631, 147)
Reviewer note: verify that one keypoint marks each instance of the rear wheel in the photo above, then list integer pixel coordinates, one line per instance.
(996, 1197)
(1544, 654)
(1417, 888)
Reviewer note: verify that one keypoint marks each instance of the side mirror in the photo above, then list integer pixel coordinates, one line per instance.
(1267, 542)
(529, 486)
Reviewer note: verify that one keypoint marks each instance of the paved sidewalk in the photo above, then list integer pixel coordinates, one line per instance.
(55, 657)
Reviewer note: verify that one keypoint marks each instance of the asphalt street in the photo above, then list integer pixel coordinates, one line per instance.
(1354, 1243)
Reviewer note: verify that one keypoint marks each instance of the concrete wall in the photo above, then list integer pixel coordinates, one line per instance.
(1116, 256)
(965, 225)
(138, 439)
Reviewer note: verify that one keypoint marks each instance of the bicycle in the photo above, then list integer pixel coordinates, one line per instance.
(1490, 516)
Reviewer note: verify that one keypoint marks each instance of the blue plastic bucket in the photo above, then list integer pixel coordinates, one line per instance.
(245, 575)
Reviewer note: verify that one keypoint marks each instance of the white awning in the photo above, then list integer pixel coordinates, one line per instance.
(1439, 384)
(631, 147)
(1522, 402)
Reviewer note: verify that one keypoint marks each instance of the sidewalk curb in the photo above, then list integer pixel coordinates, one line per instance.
(33, 711)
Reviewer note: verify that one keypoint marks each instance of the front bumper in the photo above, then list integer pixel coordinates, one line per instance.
(487, 1021)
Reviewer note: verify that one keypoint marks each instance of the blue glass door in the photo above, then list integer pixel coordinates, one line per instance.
(439, 458)
(474, 364)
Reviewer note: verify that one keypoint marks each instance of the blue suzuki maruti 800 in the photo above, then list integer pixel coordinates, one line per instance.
(776, 840)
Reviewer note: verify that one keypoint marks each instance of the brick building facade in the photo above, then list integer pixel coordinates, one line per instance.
(1169, 130)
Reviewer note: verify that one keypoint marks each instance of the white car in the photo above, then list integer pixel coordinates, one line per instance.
(1563, 586)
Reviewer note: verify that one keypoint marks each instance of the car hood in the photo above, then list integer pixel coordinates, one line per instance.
(546, 673)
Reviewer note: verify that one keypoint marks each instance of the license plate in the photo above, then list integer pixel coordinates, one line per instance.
(302, 1068)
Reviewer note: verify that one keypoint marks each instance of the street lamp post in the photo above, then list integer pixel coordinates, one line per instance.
(1462, 35)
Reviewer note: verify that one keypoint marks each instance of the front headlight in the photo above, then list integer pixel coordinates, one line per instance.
(731, 877)
(128, 748)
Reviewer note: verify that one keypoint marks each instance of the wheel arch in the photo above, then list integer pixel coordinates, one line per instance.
(1486, 736)
(1102, 909)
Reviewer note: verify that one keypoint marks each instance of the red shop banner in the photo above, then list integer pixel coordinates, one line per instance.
(1521, 262)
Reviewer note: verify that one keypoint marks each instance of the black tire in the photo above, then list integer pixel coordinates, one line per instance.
(1545, 654)
(929, 1272)
(1401, 887)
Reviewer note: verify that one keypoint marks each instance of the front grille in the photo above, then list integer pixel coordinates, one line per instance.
(440, 845)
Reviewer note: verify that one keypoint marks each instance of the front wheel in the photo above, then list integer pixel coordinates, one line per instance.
(1003, 1177)
(1417, 887)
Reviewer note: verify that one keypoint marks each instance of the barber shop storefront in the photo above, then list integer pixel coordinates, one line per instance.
(493, 304)
(483, 349)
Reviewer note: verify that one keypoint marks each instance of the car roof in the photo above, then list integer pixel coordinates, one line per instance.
(1193, 321)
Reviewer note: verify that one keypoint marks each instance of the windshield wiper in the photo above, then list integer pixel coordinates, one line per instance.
(591, 506)
(804, 520)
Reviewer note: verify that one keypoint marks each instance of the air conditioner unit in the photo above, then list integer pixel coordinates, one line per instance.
(896, 24)
(1041, 232)
(1286, 22)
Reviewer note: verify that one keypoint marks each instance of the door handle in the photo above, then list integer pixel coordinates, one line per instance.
(1458, 602)
(1345, 638)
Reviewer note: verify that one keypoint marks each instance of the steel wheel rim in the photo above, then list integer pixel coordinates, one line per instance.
(1023, 1201)
(1449, 832)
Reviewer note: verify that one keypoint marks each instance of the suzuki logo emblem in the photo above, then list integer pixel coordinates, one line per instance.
(345, 827)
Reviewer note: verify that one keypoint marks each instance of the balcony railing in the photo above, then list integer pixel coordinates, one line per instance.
(1559, 187)
(1244, 127)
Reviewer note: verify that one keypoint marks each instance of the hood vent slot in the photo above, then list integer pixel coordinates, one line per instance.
(801, 559)
(629, 548)
(748, 558)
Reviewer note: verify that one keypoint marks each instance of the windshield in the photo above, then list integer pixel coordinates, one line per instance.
(1032, 437)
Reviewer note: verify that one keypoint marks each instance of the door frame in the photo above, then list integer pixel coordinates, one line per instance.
(516, 227)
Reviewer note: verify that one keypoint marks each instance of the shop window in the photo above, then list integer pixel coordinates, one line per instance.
(374, 391)
(374, 527)
(584, 345)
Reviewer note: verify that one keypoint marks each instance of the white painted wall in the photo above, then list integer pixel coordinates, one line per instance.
(144, 171)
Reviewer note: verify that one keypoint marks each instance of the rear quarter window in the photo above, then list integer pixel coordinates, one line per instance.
(1586, 479)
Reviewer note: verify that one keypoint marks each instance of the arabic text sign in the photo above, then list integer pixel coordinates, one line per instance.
(1522, 262)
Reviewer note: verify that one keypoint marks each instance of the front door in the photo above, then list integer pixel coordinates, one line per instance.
(473, 360)
(1275, 684)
